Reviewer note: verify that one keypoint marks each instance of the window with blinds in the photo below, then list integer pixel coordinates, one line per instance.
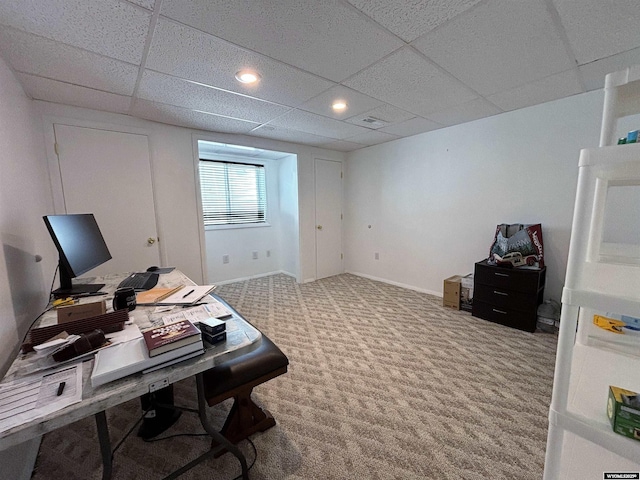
(232, 193)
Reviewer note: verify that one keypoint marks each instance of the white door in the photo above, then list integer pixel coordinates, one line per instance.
(328, 218)
(109, 174)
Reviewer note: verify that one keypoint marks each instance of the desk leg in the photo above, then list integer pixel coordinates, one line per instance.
(105, 444)
(217, 436)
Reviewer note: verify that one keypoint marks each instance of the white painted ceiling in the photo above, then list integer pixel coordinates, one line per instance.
(416, 65)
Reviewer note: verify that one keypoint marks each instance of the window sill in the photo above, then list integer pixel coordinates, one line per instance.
(235, 226)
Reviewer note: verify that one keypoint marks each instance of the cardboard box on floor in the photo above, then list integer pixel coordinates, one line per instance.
(451, 296)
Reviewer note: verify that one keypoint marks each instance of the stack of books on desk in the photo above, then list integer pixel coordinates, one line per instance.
(213, 330)
(169, 337)
(155, 348)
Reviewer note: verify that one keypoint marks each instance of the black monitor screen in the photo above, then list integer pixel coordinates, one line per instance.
(81, 248)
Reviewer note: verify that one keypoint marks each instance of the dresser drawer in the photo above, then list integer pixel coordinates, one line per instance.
(503, 298)
(528, 281)
(505, 316)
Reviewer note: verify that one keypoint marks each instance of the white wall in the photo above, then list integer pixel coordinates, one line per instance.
(289, 216)
(174, 175)
(433, 200)
(240, 243)
(25, 197)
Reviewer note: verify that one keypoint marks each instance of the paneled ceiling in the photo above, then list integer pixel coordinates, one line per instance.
(402, 66)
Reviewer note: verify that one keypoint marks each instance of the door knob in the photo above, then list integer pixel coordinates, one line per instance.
(319, 227)
(151, 241)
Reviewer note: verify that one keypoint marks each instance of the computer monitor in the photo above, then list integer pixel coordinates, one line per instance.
(81, 247)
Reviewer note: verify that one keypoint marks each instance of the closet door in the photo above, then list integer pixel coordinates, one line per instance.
(108, 174)
(328, 175)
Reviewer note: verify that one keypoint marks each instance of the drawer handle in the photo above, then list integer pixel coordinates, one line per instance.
(501, 293)
(499, 311)
(501, 274)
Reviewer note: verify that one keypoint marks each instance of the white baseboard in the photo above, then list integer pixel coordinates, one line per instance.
(242, 279)
(397, 284)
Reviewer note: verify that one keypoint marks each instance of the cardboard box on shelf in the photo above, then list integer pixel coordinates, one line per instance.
(466, 292)
(623, 410)
(451, 295)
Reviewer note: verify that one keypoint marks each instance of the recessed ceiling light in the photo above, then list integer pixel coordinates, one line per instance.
(247, 76)
(339, 105)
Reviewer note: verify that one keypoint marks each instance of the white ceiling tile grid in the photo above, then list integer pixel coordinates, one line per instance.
(403, 67)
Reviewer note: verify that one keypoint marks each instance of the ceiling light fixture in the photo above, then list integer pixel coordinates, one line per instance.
(339, 105)
(247, 76)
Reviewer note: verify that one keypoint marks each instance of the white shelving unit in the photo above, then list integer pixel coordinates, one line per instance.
(603, 277)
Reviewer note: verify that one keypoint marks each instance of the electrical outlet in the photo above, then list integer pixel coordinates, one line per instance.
(225, 258)
(158, 385)
(376, 256)
(255, 255)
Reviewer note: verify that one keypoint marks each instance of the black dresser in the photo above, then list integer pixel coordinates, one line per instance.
(509, 296)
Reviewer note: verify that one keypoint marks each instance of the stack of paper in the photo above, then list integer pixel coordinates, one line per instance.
(123, 359)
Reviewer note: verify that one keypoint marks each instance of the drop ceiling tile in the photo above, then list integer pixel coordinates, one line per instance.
(162, 88)
(594, 73)
(36, 55)
(148, 4)
(317, 125)
(387, 113)
(108, 27)
(40, 88)
(188, 118)
(409, 20)
(356, 102)
(412, 127)
(499, 45)
(409, 81)
(597, 29)
(372, 137)
(188, 53)
(473, 110)
(328, 38)
(553, 87)
(342, 146)
(289, 135)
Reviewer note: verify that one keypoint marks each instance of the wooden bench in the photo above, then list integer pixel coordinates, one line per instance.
(236, 378)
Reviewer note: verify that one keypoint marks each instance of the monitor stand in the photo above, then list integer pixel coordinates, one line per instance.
(77, 289)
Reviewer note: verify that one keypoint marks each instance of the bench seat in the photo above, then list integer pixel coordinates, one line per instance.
(236, 378)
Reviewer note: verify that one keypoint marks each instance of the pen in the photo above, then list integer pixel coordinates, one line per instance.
(187, 294)
(61, 388)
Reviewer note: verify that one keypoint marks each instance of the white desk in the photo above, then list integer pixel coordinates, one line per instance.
(96, 400)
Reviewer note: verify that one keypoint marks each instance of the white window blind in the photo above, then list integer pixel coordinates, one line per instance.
(232, 193)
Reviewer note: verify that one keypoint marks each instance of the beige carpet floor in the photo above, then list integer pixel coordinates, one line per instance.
(384, 383)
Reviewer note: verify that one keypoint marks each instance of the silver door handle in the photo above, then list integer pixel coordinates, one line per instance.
(151, 241)
(319, 227)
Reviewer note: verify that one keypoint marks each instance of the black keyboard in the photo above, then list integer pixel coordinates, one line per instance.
(140, 281)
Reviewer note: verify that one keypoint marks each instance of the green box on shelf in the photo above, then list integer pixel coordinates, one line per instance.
(623, 410)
